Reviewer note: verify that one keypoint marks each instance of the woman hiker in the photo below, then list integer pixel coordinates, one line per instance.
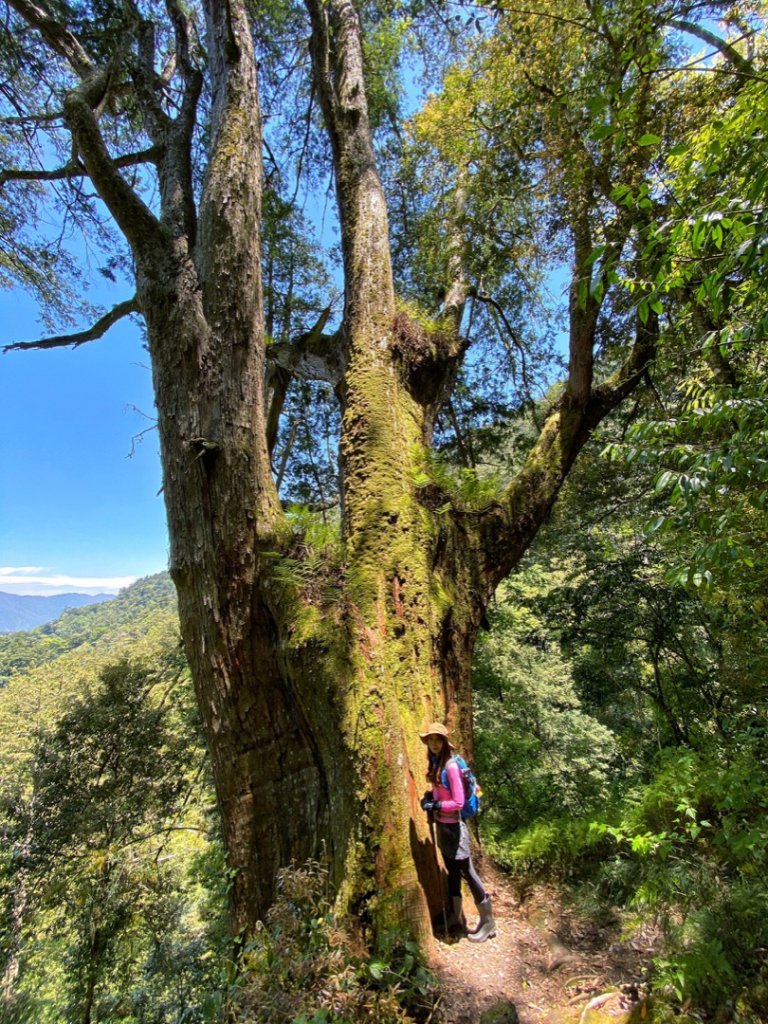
(445, 801)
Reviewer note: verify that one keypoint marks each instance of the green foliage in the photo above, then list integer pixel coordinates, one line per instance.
(100, 769)
(534, 131)
(315, 568)
(558, 847)
(712, 245)
(111, 883)
(383, 47)
(692, 848)
(676, 674)
(712, 467)
(304, 966)
(708, 446)
(535, 743)
(318, 531)
(109, 914)
(465, 488)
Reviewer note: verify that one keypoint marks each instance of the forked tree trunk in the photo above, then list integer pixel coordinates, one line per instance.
(314, 683)
(311, 705)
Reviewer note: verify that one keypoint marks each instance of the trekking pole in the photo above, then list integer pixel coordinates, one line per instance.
(431, 821)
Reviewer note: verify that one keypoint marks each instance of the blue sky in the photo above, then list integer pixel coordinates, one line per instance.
(77, 510)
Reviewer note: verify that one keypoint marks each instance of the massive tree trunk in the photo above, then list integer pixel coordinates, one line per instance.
(313, 685)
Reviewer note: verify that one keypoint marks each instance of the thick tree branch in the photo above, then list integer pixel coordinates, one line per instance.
(712, 39)
(58, 36)
(508, 528)
(339, 74)
(278, 382)
(145, 78)
(177, 189)
(33, 119)
(612, 392)
(98, 330)
(172, 137)
(230, 208)
(583, 305)
(133, 217)
(191, 73)
(181, 28)
(458, 290)
(320, 47)
(311, 356)
(74, 169)
(286, 453)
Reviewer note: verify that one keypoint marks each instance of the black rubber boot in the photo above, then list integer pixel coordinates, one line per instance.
(487, 927)
(457, 923)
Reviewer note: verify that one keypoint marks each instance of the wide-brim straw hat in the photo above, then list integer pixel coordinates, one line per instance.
(435, 729)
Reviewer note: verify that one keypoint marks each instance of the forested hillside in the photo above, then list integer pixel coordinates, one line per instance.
(111, 873)
(141, 611)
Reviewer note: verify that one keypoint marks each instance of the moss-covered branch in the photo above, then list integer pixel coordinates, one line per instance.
(508, 527)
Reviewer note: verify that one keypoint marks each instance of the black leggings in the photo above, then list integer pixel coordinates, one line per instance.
(464, 868)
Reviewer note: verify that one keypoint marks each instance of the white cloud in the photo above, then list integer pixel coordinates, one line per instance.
(36, 581)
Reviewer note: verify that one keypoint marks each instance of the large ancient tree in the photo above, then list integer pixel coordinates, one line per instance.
(313, 684)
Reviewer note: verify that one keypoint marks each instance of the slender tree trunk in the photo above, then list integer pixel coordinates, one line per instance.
(93, 965)
(8, 991)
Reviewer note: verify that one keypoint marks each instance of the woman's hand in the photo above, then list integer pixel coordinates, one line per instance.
(428, 804)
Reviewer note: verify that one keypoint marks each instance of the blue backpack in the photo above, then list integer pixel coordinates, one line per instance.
(472, 791)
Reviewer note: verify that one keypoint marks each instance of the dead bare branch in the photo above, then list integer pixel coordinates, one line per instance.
(98, 330)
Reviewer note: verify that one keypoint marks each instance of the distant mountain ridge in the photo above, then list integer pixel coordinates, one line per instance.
(112, 629)
(24, 611)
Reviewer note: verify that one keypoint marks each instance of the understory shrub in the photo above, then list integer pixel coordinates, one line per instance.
(557, 848)
(689, 849)
(305, 966)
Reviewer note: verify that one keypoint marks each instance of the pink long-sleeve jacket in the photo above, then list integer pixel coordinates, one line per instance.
(451, 797)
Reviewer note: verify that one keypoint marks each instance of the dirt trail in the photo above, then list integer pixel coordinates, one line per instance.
(553, 969)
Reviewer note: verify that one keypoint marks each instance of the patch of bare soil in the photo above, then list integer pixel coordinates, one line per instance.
(551, 966)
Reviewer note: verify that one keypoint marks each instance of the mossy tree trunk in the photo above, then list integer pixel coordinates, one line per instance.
(312, 697)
